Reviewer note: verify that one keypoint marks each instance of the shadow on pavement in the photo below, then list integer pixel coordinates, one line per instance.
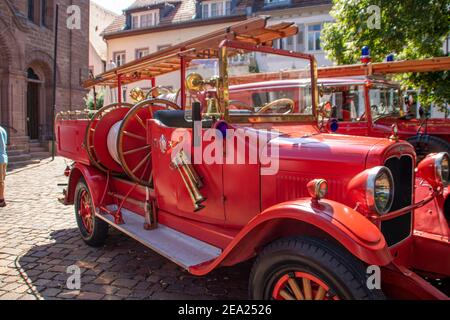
(121, 269)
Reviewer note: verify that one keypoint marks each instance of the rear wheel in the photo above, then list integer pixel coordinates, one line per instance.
(308, 269)
(93, 230)
(426, 144)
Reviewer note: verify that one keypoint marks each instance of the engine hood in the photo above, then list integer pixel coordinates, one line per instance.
(299, 157)
(325, 152)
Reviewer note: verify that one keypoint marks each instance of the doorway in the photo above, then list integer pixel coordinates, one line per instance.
(34, 84)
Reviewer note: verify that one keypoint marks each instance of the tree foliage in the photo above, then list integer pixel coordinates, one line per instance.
(89, 100)
(412, 29)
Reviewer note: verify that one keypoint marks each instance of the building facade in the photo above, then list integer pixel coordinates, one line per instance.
(26, 65)
(151, 25)
(100, 18)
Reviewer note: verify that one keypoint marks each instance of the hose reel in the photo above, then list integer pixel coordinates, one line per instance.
(116, 139)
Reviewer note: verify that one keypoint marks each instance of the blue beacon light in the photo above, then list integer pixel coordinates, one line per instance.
(365, 55)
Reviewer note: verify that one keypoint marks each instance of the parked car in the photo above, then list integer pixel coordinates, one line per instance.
(316, 218)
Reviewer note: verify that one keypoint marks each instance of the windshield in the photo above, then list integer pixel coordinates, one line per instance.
(347, 101)
(260, 93)
(253, 84)
(384, 101)
(271, 97)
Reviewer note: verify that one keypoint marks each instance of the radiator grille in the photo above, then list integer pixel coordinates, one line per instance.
(399, 228)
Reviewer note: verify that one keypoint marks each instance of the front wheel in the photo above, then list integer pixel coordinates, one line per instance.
(426, 144)
(93, 230)
(308, 269)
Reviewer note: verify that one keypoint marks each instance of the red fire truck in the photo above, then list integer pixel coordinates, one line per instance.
(315, 211)
(433, 219)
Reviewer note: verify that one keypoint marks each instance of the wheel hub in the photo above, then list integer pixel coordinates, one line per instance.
(302, 286)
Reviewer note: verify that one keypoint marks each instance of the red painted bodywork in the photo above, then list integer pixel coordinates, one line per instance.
(431, 227)
(245, 210)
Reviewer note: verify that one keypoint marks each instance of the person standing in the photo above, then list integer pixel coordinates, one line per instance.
(3, 164)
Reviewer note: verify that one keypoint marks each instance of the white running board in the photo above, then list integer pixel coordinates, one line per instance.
(175, 246)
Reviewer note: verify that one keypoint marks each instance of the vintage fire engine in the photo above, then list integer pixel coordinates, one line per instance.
(335, 205)
(431, 222)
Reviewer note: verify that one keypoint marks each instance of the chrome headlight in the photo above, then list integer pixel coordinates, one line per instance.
(380, 190)
(442, 166)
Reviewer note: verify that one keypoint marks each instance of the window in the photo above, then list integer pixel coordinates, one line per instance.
(384, 101)
(294, 43)
(44, 13)
(300, 46)
(290, 44)
(135, 22)
(31, 10)
(41, 12)
(145, 19)
(314, 37)
(119, 58)
(347, 102)
(140, 53)
(269, 2)
(278, 44)
(211, 9)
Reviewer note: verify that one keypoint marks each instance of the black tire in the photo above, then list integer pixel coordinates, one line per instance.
(100, 228)
(426, 144)
(344, 274)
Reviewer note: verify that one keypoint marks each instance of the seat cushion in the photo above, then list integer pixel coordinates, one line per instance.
(176, 119)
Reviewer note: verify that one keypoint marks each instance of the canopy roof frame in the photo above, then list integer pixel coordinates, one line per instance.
(254, 31)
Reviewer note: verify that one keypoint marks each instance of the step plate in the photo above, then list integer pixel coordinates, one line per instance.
(175, 246)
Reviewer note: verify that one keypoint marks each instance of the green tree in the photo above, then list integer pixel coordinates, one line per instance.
(412, 29)
(89, 100)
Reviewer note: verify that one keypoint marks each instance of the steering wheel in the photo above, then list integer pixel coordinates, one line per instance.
(241, 105)
(362, 117)
(280, 103)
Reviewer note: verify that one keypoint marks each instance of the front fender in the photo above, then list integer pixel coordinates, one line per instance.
(329, 219)
(96, 181)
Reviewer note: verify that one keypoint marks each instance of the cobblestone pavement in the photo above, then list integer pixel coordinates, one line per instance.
(39, 240)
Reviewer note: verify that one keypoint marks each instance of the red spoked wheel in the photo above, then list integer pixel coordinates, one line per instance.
(302, 286)
(86, 211)
(93, 230)
(299, 268)
(133, 149)
(97, 131)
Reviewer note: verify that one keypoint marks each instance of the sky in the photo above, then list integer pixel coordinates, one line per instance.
(114, 5)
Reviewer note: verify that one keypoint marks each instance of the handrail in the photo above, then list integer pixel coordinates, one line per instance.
(75, 115)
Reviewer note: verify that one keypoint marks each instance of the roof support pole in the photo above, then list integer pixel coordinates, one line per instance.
(182, 84)
(119, 88)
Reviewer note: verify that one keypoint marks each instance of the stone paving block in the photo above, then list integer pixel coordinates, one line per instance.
(90, 296)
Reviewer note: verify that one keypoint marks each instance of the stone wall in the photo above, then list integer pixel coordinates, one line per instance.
(29, 44)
